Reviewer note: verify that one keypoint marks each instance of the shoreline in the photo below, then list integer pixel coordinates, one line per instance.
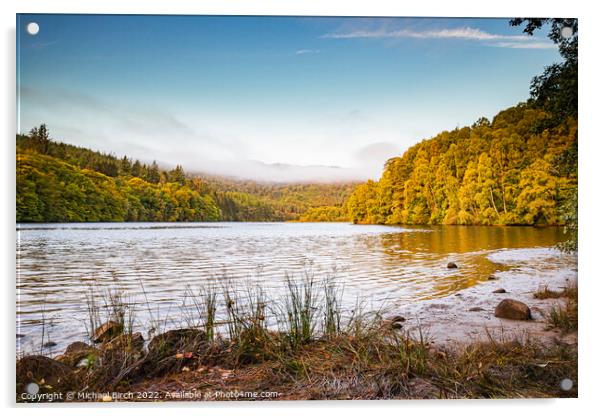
(450, 320)
(439, 348)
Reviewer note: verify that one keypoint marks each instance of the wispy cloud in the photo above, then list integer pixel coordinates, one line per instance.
(41, 45)
(463, 33)
(306, 51)
(524, 45)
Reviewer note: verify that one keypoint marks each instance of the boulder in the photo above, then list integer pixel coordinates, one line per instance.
(170, 351)
(396, 325)
(77, 346)
(76, 352)
(49, 375)
(393, 322)
(397, 318)
(476, 309)
(512, 309)
(500, 290)
(125, 342)
(107, 331)
(452, 265)
(176, 340)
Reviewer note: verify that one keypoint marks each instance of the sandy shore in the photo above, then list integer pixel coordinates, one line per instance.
(449, 320)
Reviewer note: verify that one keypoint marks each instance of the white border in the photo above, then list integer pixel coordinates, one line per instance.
(590, 155)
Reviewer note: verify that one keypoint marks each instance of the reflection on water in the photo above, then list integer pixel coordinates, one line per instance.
(57, 263)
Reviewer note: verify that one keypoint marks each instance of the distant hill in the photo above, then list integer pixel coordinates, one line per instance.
(58, 182)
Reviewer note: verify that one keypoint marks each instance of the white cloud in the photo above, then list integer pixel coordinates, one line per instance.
(306, 51)
(463, 33)
(521, 45)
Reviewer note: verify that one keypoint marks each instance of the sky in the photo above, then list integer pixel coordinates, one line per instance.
(268, 98)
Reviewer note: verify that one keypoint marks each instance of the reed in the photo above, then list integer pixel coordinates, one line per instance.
(320, 351)
(301, 307)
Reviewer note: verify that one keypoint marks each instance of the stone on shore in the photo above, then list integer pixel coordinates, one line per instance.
(107, 331)
(76, 352)
(394, 322)
(512, 309)
(46, 374)
(452, 265)
(125, 342)
(500, 290)
(176, 340)
(77, 346)
(397, 318)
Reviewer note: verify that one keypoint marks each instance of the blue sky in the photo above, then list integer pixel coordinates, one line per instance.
(285, 98)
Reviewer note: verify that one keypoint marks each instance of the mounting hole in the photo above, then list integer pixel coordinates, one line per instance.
(32, 388)
(566, 32)
(33, 28)
(566, 384)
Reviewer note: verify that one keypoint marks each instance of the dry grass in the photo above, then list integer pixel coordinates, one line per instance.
(389, 365)
(546, 293)
(564, 314)
(321, 353)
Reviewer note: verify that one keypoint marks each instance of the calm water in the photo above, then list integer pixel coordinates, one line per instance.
(156, 263)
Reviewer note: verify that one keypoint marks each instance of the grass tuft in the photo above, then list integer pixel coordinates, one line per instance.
(319, 352)
(563, 315)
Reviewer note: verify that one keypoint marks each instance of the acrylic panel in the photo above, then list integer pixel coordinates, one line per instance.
(295, 208)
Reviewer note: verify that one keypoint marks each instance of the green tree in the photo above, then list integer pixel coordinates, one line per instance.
(153, 174)
(41, 137)
(177, 175)
(137, 169)
(556, 89)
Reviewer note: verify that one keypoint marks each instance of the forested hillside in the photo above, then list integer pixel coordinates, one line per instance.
(58, 182)
(508, 171)
(520, 168)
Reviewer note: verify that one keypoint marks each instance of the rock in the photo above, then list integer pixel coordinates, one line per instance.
(476, 309)
(452, 265)
(176, 340)
(50, 375)
(512, 309)
(500, 290)
(76, 347)
(20, 336)
(393, 322)
(76, 352)
(49, 344)
(396, 325)
(170, 351)
(492, 277)
(107, 331)
(397, 318)
(125, 342)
